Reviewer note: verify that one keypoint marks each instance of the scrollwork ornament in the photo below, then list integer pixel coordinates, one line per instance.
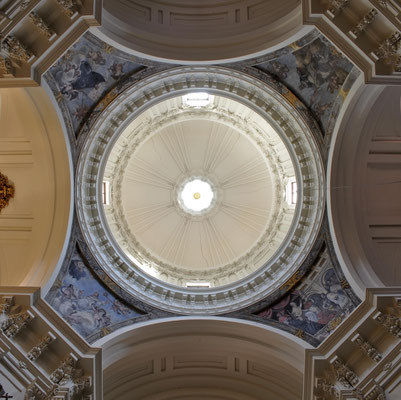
(6, 191)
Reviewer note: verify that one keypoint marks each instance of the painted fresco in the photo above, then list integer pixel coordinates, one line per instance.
(89, 307)
(317, 305)
(317, 73)
(86, 72)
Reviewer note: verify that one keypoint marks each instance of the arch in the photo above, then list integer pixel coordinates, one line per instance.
(190, 357)
(35, 225)
(189, 31)
(363, 210)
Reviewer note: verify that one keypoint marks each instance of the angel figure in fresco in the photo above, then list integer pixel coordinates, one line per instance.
(87, 78)
(279, 69)
(96, 57)
(116, 70)
(313, 65)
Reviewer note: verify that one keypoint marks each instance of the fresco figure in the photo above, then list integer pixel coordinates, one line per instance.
(85, 304)
(312, 308)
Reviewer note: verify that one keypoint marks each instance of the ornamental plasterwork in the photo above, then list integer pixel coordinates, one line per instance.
(6, 191)
(264, 246)
(274, 103)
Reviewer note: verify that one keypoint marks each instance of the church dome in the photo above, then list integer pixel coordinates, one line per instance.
(209, 190)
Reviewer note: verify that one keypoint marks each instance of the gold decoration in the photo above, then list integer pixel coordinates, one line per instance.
(334, 323)
(6, 67)
(300, 333)
(6, 191)
(292, 281)
(15, 49)
(43, 27)
(69, 7)
(196, 196)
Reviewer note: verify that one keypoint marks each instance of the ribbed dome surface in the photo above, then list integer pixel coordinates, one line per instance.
(240, 228)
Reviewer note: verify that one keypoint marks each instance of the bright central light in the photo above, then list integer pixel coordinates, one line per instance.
(197, 195)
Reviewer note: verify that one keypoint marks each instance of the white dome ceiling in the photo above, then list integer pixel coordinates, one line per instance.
(248, 216)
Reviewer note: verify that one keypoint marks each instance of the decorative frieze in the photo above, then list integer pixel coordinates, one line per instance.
(69, 7)
(344, 374)
(82, 388)
(34, 392)
(376, 394)
(335, 6)
(326, 390)
(366, 347)
(43, 27)
(397, 67)
(6, 67)
(37, 351)
(5, 304)
(66, 371)
(6, 191)
(363, 23)
(15, 49)
(388, 48)
(390, 322)
(25, 4)
(18, 322)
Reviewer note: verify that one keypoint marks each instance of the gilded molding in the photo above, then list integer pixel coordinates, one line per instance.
(6, 191)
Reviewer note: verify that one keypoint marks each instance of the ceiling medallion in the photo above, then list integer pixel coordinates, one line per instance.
(246, 147)
(6, 191)
(196, 196)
